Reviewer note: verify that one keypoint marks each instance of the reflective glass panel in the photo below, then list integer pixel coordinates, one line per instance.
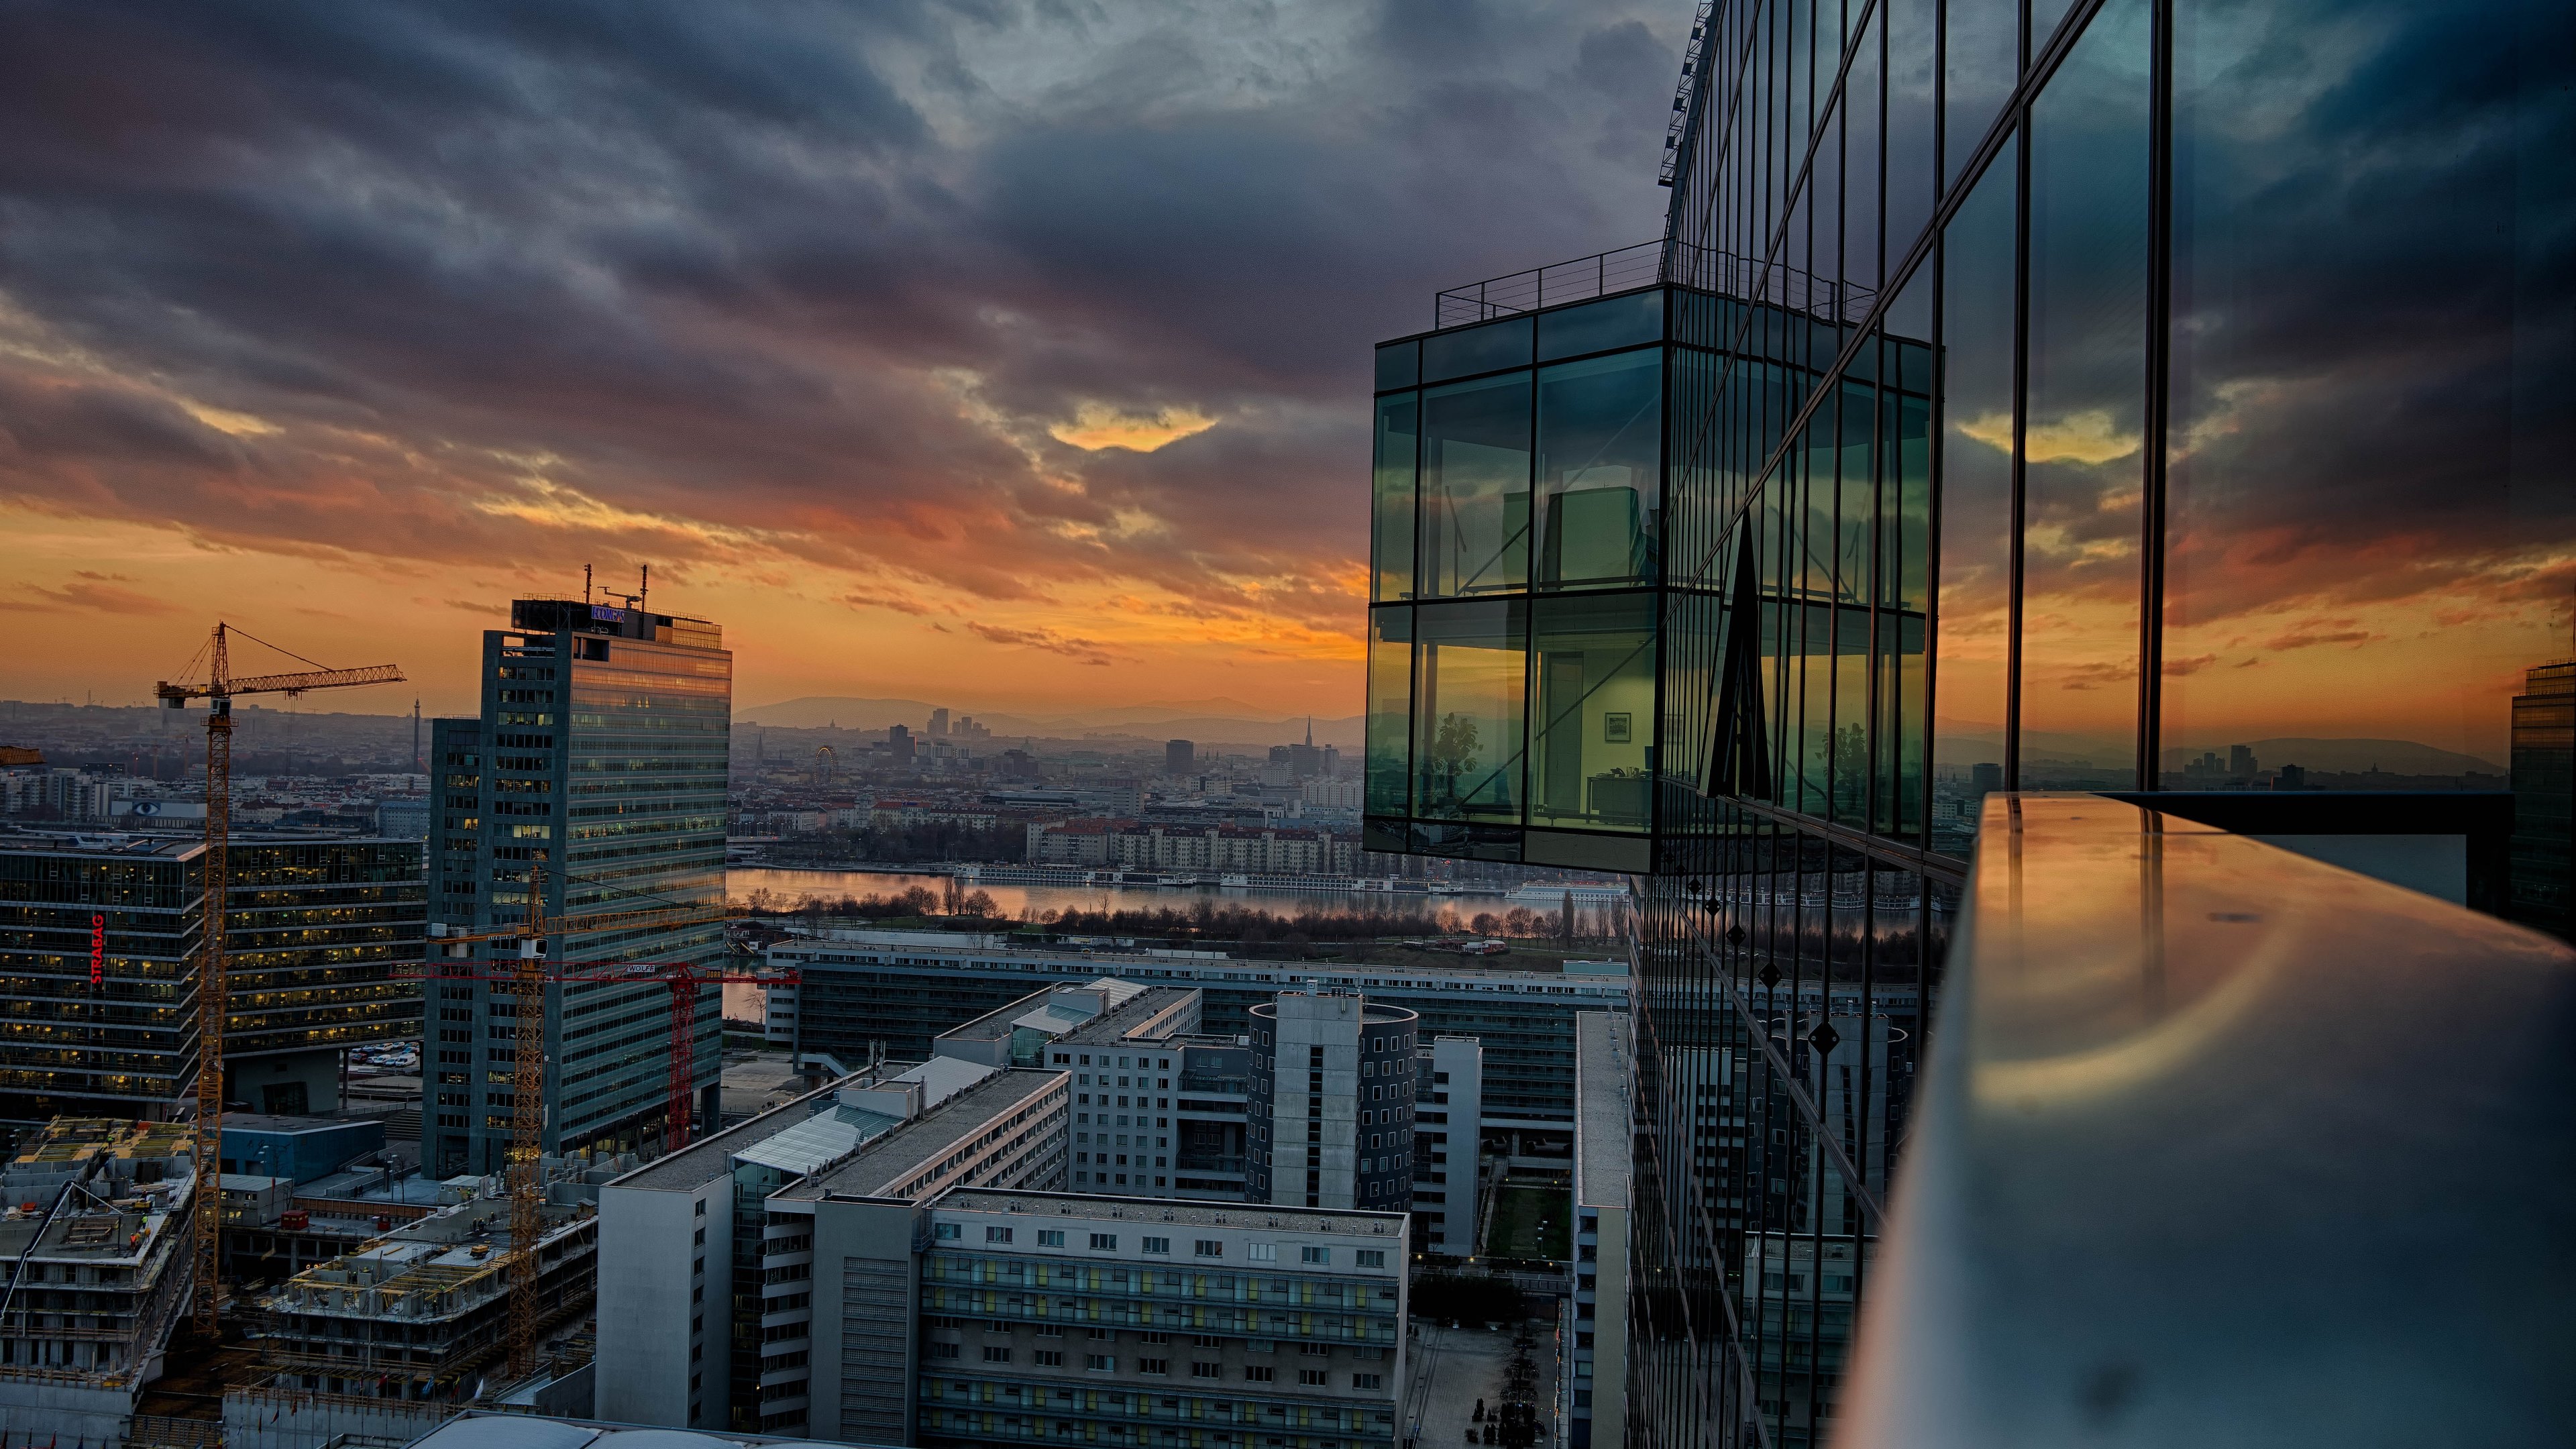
(1593, 718)
(1600, 326)
(1399, 364)
(1975, 462)
(2082, 454)
(1470, 663)
(1476, 349)
(1600, 428)
(1475, 487)
(1390, 695)
(2370, 514)
(1391, 536)
(1913, 62)
(1980, 59)
(1904, 540)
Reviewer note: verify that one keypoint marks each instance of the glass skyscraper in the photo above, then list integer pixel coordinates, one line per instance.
(600, 755)
(2147, 395)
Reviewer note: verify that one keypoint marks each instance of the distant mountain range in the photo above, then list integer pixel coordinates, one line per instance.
(1205, 721)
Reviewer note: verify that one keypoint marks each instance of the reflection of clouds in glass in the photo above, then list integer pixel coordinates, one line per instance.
(2091, 436)
(2054, 543)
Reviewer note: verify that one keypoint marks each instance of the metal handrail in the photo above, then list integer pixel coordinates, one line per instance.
(2217, 1139)
(1645, 264)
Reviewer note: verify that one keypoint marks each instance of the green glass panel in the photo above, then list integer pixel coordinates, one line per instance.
(1471, 350)
(1600, 425)
(1599, 326)
(1399, 364)
(1592, 750)
(1391, 533)
(1470, 664)
(1390, 699)
(1475, 487)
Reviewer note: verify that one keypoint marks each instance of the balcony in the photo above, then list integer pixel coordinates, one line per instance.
(2215, 1143)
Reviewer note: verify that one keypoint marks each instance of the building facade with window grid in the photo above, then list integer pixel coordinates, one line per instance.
(103, 936)
(905, 995)
(600, 754)
(1063, 1318)
(2053, 394)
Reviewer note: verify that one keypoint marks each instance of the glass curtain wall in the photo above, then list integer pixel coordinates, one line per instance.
(2141, 394)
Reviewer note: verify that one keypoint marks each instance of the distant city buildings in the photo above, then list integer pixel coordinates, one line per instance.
(1135, 845)
(901, 991)
(597, 774)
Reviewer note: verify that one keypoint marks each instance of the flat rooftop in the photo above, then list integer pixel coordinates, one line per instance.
(1180, 1212)
(927, 948)
(709, 1158)
(1143, 1004)
(936, 1132)
(1604, 1122)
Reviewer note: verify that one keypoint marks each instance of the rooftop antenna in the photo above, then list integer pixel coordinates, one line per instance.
(585, 585)
(643, 586)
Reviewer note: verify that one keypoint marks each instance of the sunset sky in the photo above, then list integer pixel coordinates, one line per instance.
(1015, 354)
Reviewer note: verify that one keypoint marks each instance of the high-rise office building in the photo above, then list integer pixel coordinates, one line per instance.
(2544, 800)
(598, 768)
(101, 937)
(1180, 757)
(2022, 397)
(1332, 1103)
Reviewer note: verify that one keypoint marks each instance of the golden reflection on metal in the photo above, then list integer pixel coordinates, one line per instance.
(2091, 981)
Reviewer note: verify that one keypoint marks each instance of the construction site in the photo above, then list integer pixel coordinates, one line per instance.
(95, 1238)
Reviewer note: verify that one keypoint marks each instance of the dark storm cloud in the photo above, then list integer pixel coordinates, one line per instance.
(818, 274)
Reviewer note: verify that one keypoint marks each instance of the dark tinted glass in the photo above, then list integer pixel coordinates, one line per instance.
(2369, 510)
(1975, 459)
(1600, 326)
(2083, 450)
(1476, 349)
(1399, 364)
(1981, 56)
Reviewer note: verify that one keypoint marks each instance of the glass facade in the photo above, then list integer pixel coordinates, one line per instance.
(600, 752)
(102, 937)
(2156, 395)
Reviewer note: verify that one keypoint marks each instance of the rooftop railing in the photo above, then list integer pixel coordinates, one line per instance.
(2218, 1144)
(1644, 265)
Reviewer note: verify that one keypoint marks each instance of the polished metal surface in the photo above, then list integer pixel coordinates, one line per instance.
(2222, 1145)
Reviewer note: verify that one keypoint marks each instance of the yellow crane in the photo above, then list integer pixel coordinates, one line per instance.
(219, 691)
(526, 980)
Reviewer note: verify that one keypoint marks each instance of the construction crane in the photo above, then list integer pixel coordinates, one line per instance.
(219, 691)
(528, 979)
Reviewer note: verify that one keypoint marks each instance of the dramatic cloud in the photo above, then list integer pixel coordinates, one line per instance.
(1045, 313)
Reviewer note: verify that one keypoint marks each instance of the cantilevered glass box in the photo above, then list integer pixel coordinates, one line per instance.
(1549, 610)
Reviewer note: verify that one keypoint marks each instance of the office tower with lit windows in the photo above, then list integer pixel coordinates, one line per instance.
(597, 768)
(102, 936)
(2023, 396)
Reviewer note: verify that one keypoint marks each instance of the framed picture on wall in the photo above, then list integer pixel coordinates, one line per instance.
(1614, 729)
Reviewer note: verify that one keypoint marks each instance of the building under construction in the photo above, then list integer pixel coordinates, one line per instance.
(423, 1313)
(95, 1243)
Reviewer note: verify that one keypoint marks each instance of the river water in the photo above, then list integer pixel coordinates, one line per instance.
(795, 885)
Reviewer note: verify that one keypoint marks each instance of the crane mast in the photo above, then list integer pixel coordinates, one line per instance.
(213, 984)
